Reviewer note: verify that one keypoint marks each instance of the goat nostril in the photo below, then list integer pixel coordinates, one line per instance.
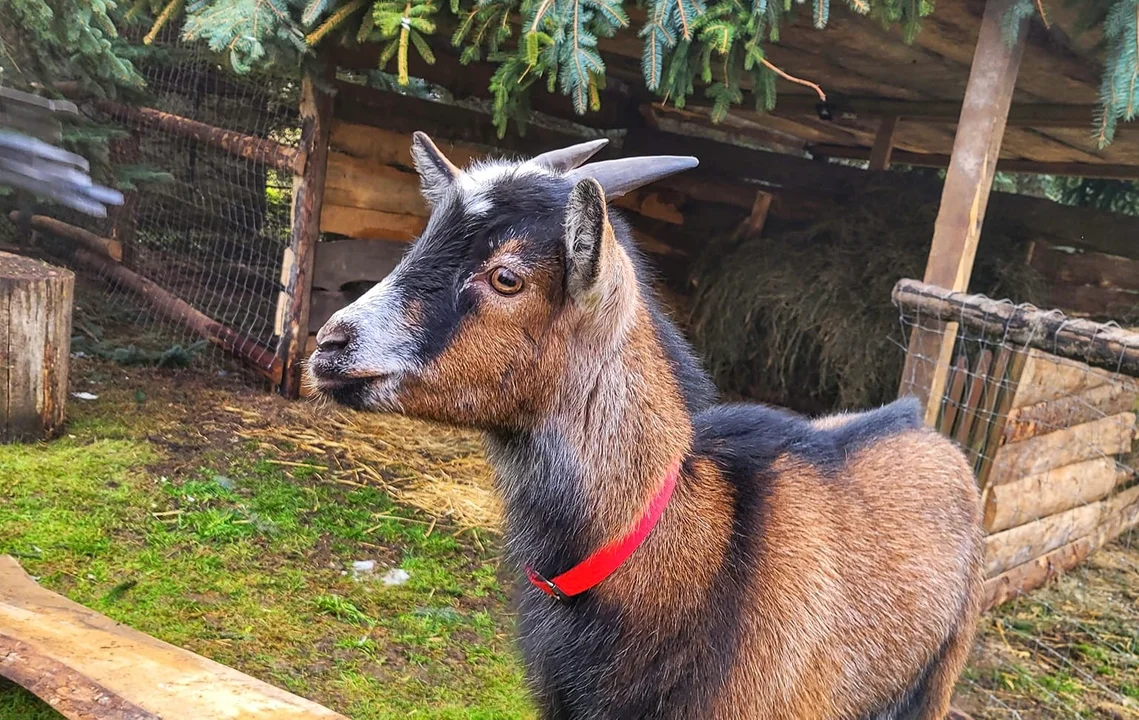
(333, 339)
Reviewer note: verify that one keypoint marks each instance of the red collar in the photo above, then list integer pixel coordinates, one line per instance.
(601, 564)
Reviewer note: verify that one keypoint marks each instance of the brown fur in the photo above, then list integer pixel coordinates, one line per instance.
(861, 563)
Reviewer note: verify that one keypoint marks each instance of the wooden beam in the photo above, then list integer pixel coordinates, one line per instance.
(106, 247)
(255, 149)
(177, 310)
(87, 666)
(1103, 346)
(308, 197)
(855, 108)
(976, 147)
(1014, 165)
(883, 143)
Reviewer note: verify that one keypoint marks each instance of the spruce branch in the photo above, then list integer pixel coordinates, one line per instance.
(172, 8)
(333, 21)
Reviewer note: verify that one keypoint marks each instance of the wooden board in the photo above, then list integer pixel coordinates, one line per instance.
(1101, 438)
(88, 667)
(1050, 492)
(1050, 415)
(365, 224)
(348, 261)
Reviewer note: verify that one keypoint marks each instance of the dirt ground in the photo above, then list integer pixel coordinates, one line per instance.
(196, 506)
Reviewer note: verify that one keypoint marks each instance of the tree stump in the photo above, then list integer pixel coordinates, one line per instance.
(35, 343)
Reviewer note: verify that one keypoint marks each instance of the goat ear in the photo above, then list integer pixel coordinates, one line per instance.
(436, 173)
(587, 233)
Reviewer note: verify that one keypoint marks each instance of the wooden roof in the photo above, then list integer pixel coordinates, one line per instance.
(870, 72)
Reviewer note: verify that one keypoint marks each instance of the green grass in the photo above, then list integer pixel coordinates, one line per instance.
(243, 563)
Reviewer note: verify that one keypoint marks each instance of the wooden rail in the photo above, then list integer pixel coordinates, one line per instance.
(1103, 346)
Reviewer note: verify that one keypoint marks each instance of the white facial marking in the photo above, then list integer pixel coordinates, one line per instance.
(476, 181)
(383, 343)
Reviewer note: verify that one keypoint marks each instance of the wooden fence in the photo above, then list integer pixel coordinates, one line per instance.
(1045, 408)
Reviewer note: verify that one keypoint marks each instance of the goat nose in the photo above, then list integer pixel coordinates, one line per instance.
(333, 337)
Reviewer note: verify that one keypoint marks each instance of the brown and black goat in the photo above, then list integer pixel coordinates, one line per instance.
(799, 569)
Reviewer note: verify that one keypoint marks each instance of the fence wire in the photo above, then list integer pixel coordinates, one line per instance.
(1051, 439)
(202, 224)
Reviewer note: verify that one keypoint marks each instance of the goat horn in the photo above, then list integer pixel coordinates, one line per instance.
(618, 177)
(571, 157)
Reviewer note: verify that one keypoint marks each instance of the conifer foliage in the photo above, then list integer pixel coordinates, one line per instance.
(713, 48)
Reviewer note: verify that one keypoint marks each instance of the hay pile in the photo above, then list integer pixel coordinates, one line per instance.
(802, 317)
(438, 471)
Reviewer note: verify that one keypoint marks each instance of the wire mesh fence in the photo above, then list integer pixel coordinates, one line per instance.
(1045, 408)
(193, 258)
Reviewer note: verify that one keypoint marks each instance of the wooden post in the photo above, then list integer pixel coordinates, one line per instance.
(976, 148)
(308, 196)
(35, 344)
(883, 143)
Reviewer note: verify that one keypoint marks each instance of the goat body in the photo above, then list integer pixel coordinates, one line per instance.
(824, 569)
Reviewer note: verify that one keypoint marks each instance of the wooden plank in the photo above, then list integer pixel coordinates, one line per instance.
(1053, 491)
(976, 147)
(883, 143)
(340, 262)
(1085, 268)
(973, 397)
(89, 667)
(1035, 114)
(984, 408)
(1105, 437)
(363, 184)
(1106, 399)
(954, 399)
(1105, 303)
(1008, 391)
(365, 224)
(308, 195)
(1009, 164)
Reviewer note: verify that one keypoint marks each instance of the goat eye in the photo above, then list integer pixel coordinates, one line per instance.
(505, 281)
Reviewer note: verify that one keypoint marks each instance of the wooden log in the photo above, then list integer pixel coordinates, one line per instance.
(1121, 513)
(965, 196)
(308, 196)
(365, 224)
(363, 184)
(1048, 377)
(1016, 546)
(268, 152)
(1103, 400)
(1103, 346)
(35, 342)
(1100, 438)
(177, 310)
(1035, 573)
(1053, 491)
(106, 247)
(89, 667)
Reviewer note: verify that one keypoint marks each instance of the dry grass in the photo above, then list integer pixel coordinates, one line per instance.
(1069, 650)
(438, 471)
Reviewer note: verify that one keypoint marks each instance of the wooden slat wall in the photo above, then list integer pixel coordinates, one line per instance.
(1056, 487)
